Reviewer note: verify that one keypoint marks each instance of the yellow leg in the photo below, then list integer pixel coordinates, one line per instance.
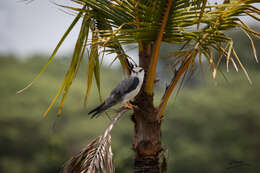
(128, 105)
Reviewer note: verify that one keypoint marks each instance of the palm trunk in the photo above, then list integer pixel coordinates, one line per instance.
(147, 134)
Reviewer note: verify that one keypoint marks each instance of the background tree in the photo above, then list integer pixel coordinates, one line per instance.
(196, 25)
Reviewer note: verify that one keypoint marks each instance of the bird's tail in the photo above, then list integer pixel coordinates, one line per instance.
(97, 110)
(101, 108)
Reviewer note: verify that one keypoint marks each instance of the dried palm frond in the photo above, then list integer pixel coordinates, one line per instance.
(97, 155)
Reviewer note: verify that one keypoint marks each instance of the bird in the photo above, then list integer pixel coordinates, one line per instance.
(125, 91)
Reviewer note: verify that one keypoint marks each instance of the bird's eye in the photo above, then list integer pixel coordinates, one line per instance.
(141, 70)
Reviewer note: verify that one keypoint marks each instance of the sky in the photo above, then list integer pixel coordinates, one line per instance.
(36, 27)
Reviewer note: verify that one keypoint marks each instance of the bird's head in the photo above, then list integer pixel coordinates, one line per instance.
(138, 71)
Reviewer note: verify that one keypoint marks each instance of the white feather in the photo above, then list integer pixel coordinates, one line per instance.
(140, 75)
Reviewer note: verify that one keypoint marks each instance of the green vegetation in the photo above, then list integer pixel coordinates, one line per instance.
(197, 26)
(205, 128)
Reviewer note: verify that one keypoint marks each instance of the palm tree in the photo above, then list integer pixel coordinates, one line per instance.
(196, 25)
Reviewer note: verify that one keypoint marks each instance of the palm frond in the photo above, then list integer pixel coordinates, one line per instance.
(96, 156)
(97, 77)
(92, 65)
(113, 47)
(118, 22)
(55, 51)
(155, 55)
(75, 64)
(169, 89)
(183, 16)
(76, 59)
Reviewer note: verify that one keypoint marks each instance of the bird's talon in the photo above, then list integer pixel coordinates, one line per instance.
(128, 106)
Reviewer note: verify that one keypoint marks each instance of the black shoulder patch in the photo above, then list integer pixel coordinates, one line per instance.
(133, 85)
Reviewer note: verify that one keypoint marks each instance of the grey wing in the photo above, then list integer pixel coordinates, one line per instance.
(117, 95)
(124, 87)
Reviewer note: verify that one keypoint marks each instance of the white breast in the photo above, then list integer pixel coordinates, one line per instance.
(133, 93)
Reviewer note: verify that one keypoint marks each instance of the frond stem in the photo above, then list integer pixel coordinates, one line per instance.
(154, 59)
(172, 85)
(184, 67)
(121, 111)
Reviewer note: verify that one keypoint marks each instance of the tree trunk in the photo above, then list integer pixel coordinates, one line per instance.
(147, 134)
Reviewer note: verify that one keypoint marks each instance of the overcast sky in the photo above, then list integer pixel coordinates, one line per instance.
(35, 27)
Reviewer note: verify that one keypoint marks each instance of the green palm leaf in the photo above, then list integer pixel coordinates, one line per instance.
(197, 24)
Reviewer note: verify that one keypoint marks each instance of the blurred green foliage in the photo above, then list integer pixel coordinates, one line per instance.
(206, 129)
